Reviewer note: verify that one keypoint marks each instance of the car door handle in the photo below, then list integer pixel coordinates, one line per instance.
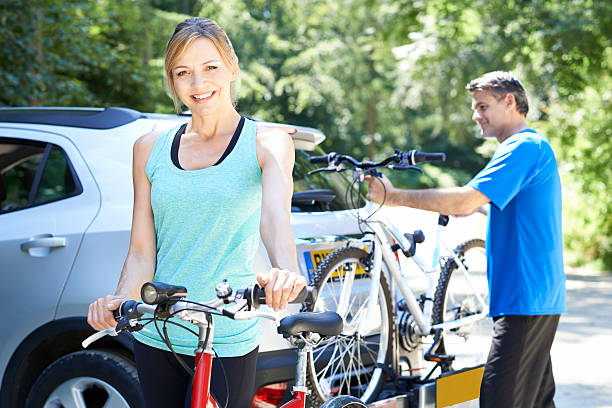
(43, 242)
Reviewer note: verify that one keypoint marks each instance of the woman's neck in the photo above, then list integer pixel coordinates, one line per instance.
(209, 126)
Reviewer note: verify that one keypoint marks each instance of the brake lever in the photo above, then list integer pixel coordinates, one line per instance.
(98, 336)
(322, 169)
(415, 168)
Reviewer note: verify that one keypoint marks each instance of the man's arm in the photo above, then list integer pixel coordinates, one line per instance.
(450, 201)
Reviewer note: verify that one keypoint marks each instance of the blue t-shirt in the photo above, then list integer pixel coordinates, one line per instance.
(524, 239)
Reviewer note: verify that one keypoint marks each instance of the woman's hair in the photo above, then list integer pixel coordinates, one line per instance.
(184, 34)
(502, 83)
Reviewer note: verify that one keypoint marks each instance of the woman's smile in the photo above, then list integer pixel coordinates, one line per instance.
(204, 97)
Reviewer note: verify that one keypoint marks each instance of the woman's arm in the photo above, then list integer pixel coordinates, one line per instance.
(139, 266)
(276, 156)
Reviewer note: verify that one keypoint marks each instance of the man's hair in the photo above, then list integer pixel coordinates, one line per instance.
(502, 83)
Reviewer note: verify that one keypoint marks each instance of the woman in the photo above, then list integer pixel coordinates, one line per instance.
(204, 192)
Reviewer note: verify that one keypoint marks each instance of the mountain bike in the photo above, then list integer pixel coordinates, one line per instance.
(163, 301)
(361, 281)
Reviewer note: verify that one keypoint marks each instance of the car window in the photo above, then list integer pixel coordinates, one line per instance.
(57, 180)
(333, 182)
(33, 173)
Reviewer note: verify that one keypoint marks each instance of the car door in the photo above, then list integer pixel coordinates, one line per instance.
(47, 200)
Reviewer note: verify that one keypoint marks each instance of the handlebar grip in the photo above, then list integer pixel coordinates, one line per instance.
(307, 295)
(421, 157)
(124, 309)
(319, 159)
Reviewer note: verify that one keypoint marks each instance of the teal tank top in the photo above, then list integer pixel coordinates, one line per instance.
(207, 228)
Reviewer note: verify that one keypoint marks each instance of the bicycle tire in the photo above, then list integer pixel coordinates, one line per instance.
(343, 401)
(374, 341)
(455, 298)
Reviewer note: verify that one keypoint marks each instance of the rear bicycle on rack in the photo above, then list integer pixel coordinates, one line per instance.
(360, 283)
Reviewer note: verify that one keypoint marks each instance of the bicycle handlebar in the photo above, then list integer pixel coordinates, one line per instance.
(421, 157)
(167, 300)
(318, 159)
(398, 161)
(257, 296)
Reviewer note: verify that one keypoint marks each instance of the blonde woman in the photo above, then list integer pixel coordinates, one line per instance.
(204, 193)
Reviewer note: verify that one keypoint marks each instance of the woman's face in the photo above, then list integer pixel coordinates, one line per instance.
(202, 79)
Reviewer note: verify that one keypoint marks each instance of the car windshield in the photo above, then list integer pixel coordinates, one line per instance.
(321, 191)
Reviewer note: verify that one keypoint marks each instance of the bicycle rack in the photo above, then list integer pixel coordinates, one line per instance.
(449, 389)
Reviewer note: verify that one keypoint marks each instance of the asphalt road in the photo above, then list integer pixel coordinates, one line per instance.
(582, 350)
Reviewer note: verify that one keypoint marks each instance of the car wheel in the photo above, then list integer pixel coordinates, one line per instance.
(91, 378)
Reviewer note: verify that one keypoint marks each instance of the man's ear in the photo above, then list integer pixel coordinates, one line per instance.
(510, 100)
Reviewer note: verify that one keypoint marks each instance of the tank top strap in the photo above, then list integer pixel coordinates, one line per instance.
(246, 147)
(162, 144)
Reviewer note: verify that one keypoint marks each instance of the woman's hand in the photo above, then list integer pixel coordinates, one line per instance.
(100, 315)
(281, 286)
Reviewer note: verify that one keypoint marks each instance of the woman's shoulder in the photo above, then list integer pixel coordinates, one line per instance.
(147, 141)
(143, 146)
(273, 134)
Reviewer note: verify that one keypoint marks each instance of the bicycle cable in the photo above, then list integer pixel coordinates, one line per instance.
(168, 343)
(224, 378)
(166, 339)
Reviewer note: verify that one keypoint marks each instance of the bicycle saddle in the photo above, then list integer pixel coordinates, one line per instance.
(323, 323)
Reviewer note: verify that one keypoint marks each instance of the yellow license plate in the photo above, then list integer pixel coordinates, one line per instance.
(314, 258)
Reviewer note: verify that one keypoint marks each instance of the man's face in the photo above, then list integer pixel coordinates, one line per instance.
(491, 111)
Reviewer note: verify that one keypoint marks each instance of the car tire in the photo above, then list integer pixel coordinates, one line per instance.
(90, 378)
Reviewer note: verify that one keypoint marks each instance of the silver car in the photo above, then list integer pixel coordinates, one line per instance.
(65, 216)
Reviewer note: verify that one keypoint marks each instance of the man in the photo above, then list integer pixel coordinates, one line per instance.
(524, 242)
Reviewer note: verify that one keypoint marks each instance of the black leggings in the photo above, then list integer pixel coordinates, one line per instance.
(166, 384)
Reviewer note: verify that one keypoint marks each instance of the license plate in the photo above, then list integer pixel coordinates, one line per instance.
(314, 258)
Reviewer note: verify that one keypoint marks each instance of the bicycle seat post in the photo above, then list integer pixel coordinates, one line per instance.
(303, 348)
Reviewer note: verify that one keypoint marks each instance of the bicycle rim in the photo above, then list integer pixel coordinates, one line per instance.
(347, 364)
(465, 286)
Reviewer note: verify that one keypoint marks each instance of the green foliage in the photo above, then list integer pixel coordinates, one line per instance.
(374, 75)
(78, 53)
(563, 53)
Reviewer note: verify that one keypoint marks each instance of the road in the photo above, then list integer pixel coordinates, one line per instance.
(582, 351)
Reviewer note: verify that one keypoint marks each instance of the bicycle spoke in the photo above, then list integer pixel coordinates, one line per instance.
(339, 358)
(331, 292)
(319, 350)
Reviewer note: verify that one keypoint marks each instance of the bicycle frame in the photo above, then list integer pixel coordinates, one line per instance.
(201, 397)
(385, 235)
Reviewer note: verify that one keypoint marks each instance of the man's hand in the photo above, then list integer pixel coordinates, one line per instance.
(281, 286)
(100, 314)
(379, 189)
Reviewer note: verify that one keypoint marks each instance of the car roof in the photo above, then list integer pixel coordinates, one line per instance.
(305, 138)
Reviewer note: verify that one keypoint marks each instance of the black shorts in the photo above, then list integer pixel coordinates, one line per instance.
(518, 373)
(166, 384)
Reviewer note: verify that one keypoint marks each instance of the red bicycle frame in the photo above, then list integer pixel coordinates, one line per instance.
(200, 394)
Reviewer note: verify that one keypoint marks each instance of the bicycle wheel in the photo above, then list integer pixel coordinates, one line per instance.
(343, 401)
(461, 294)
(349, 364)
